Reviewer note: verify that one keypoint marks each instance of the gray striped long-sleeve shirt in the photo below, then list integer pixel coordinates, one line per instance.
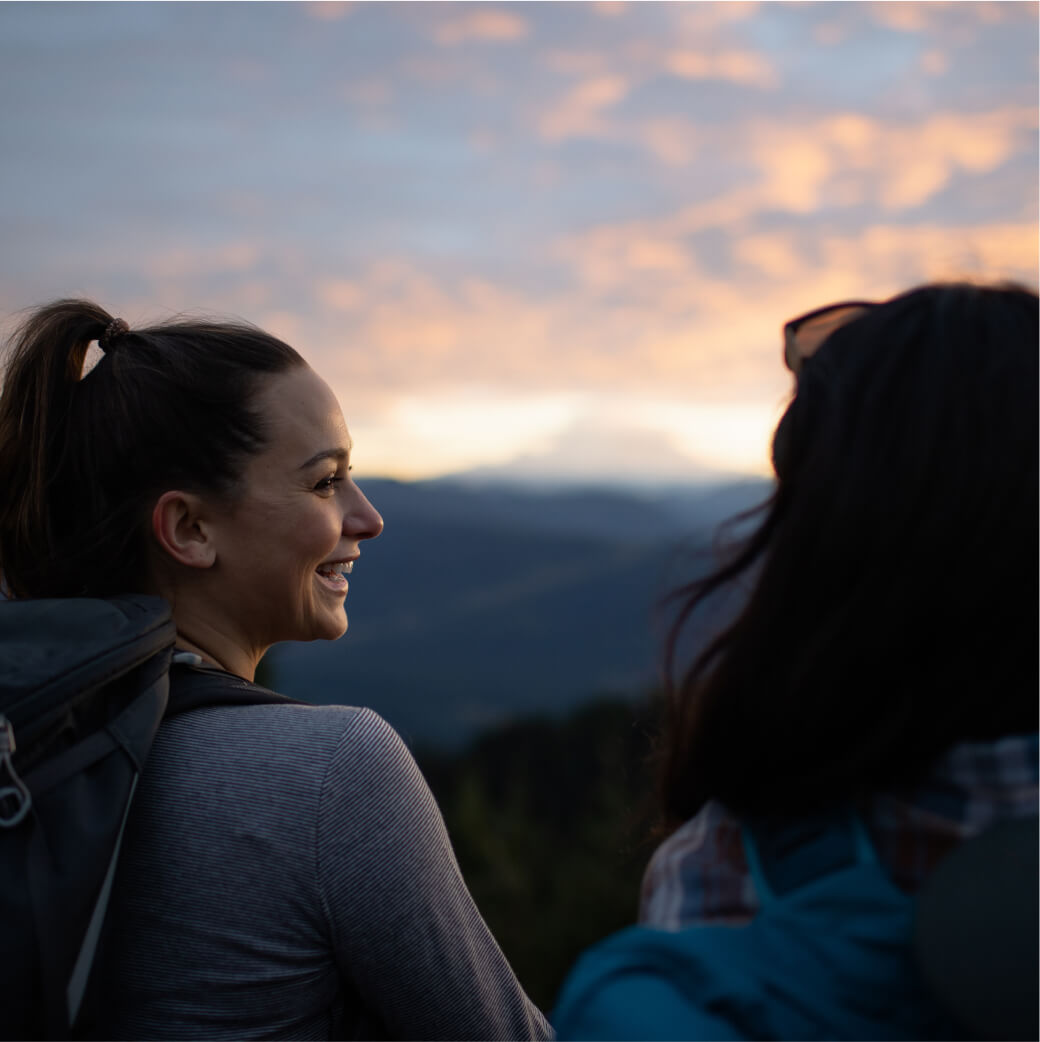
(286, 873)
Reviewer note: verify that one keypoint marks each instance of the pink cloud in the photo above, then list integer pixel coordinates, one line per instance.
(610, 8)
(747, 68)
(329, 10)
(485, 25)
(672, 142)
(580, 112)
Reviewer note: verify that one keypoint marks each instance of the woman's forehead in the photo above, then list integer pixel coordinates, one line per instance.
(303, 415)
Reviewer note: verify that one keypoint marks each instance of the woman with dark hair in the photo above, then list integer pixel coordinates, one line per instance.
(873, 702)
(285, 870)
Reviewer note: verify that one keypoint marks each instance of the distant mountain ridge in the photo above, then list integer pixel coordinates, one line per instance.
(481, 603)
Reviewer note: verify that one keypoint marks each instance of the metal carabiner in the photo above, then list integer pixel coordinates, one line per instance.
(16, 789)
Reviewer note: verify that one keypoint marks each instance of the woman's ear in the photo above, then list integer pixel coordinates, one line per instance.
(181, 531)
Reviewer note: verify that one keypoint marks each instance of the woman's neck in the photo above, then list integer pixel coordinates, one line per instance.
(239, 668)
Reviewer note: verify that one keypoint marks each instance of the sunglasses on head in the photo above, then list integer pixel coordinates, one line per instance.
(803, 335)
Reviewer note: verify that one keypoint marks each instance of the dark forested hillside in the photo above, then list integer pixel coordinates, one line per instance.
(479, 605)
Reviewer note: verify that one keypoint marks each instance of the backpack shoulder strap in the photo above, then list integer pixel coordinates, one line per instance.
(193, 687)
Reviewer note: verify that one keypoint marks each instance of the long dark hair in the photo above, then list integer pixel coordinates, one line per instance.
(892, 608)
(82, 457)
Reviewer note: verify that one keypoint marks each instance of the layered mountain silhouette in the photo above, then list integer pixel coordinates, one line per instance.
(481, 603)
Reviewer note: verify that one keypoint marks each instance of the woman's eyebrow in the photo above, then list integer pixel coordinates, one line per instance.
(339, 455)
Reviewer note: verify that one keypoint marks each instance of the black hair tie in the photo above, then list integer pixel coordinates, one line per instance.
(114, 331)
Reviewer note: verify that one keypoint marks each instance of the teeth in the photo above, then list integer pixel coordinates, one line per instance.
(337, 567)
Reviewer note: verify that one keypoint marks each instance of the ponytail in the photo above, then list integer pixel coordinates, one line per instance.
(42, 375)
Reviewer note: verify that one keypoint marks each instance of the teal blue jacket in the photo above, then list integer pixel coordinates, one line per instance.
(827, 956)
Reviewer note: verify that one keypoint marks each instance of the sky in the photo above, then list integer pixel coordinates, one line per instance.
(554, 238)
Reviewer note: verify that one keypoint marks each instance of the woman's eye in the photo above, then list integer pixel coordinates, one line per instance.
(328, 484)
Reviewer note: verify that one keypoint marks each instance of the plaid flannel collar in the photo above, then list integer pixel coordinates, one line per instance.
(699, 874)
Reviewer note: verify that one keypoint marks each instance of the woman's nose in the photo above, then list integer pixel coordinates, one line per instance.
(362, 520)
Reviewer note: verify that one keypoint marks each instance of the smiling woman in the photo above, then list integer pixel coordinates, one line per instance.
(298, 512)
(285, 871)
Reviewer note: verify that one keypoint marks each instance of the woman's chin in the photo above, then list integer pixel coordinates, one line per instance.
(331, 628)
(318, 622)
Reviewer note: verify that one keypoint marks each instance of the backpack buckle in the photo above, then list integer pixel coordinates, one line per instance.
(15, 799)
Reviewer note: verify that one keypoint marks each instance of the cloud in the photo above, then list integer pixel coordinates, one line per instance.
(611, 75)
(672, 142)
(339, 294)
(892, 257)
(839, 159)
(940, 16)
(697, 20)
(647, 312)
(608, 259)
(747, 68)
(934, 62)
(610, 8)
(846, 160)
(898, 166)
(794, 169)
(920, 161)
(580, 112)
(622, 258)
(486, 25)
(329, 10)
(689, 321)
(774, 255)
(903, 17)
